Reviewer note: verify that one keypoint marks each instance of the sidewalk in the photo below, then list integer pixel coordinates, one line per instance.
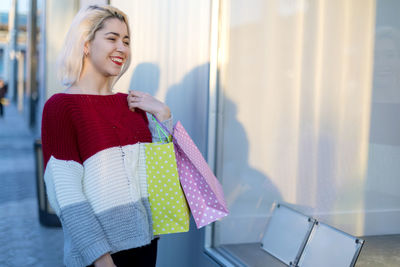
(23, 241)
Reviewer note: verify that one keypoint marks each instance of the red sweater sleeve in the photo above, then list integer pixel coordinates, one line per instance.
(58, 133)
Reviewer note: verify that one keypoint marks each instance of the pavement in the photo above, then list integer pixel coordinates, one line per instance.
(23, 241)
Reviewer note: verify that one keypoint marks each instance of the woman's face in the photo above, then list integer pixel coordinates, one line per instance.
(109, 49)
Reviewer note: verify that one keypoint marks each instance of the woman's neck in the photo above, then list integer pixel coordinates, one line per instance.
(92, 87)
(92, 82)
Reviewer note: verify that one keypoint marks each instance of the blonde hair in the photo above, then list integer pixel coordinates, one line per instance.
(83, 29)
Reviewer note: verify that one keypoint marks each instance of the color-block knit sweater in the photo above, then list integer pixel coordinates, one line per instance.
(95, 173)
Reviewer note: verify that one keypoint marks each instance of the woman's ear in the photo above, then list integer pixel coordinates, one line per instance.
(86, 49)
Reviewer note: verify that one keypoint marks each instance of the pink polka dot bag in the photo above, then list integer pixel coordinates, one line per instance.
(203, 191)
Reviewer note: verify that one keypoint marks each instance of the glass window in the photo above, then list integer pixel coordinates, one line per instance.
(309, 101)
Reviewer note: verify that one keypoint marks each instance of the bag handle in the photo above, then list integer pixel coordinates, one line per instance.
(161, 128)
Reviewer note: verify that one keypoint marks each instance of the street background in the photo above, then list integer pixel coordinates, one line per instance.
(23, 241)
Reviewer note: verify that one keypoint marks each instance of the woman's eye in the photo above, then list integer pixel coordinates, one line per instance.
(112, 39)
(126, 43)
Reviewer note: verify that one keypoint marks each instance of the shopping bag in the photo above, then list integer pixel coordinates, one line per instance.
(170, 213)
(202, 190)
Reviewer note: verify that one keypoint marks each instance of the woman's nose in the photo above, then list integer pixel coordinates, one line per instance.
(122, 47)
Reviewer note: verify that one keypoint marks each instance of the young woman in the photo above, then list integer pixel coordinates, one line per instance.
(91, 147)
(3, 92)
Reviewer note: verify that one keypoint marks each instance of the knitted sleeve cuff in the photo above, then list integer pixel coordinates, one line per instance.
(95, 251)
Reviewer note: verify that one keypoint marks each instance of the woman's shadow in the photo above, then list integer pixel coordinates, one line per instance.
(248, 191)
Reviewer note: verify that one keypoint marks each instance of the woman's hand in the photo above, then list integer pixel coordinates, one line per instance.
(148, 103)
(104, 261)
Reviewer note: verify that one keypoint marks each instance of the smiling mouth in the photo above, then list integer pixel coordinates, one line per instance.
(117, 60)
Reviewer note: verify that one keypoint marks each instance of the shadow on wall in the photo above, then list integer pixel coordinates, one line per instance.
(249, 192)
(146, 78)
(188, 101)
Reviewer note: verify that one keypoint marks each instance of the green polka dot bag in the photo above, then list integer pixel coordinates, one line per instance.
(169, 209)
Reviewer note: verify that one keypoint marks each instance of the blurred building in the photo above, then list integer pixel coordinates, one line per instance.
(4, 40)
